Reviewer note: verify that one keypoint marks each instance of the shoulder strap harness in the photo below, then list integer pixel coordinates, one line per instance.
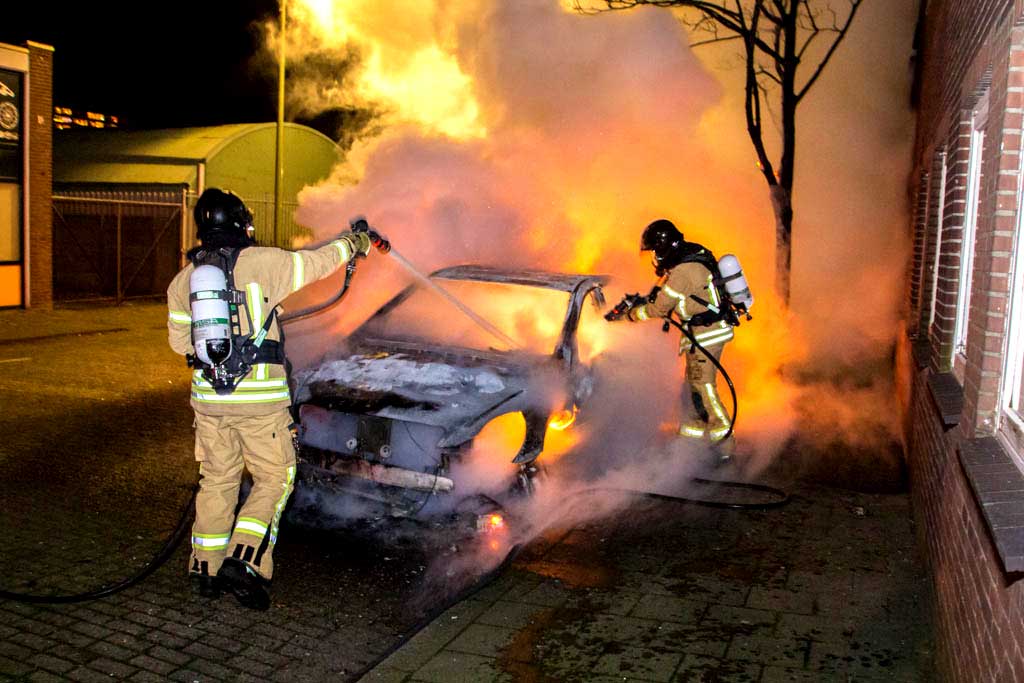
(245, 351)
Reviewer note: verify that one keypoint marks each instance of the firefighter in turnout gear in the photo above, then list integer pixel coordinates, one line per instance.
(687, 289)
(229, 333)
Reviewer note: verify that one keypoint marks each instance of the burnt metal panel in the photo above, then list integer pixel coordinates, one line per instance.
(565, 282)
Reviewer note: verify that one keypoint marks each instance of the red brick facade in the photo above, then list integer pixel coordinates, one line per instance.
(39, 131)
(972, 53)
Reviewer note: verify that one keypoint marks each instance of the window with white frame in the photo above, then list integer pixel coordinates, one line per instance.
(973, 192)
(939, 200)
(1011, 423)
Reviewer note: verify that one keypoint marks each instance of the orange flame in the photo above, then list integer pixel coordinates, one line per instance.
(563, 419)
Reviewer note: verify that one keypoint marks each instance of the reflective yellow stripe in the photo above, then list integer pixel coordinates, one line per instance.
(202, 542)
(682, 309)
(279, 508)
(250, 525)
(713, 292)
(241, 397)
(344, 249)
(179, 317)
(671, 292)
(711, 394)
(298, 271)
(254, 295)
(692, 432)
(200, 384)
(717, 434)
(641, 313)
(714, 335)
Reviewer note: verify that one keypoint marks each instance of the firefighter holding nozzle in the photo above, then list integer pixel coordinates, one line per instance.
(704, 298)
(222, 316)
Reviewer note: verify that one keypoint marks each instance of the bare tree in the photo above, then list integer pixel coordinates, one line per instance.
(777, 35)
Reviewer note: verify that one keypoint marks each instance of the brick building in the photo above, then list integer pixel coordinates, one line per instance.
(965, 416)
(26, 177)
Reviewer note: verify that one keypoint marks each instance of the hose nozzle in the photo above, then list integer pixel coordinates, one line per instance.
(379, 241)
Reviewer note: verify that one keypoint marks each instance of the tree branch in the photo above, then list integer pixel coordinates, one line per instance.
(841, 33)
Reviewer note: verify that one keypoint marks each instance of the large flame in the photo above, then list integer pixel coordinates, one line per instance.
(404, 67)
(543, 139)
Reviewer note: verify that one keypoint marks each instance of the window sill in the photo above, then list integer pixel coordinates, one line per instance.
(998, 486)
(948, 397)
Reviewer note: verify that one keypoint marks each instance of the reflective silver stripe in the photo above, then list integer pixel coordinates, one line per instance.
(713, 292)
(209, 542)
(682, 309)
(201, 384)
(716, 406)
(298, 271)
(691, 432)
(717, 434)
(179, 317)
(641, 313)
(245, 397)
(714, 334)
(251, 525)
(673, 293)
(345, 249)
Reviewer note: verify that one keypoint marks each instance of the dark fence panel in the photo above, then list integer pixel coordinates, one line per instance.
(117, 245)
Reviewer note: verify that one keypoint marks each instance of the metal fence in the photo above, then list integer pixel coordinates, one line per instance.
(117, 245)
(262, 207)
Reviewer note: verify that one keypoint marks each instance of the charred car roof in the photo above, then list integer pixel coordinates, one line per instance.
(566, 282)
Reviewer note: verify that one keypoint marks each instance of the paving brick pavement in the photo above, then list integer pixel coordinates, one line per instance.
(95, 463)
(95, 466)
(828, 588)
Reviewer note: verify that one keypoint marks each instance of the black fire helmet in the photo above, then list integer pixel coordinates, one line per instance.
(664, 239)
(222, 219)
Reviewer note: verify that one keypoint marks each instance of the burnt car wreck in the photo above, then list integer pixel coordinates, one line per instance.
(391, 416)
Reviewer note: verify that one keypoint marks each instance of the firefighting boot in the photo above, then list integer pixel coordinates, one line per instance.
(245, 584)
(203, 585)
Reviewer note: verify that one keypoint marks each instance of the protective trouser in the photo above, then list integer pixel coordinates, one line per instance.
(704, 416)
(224, 444)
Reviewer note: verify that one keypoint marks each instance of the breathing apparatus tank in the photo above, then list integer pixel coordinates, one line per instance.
(211, 318)
(735, 283)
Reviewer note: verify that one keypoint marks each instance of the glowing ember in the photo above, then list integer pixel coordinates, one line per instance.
(563, 419)
(491, 523)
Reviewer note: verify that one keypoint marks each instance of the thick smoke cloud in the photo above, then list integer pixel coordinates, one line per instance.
(586, 128)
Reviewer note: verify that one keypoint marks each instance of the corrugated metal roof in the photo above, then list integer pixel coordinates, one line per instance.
(186, 144)
(124, 173)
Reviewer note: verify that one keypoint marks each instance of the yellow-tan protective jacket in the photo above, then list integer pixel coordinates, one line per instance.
(682, 281)
(266, 275)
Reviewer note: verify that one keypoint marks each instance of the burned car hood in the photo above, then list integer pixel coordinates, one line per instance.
(419, 384)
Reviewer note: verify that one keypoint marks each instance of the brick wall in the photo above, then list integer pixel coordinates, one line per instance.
(40, 175)
(916, 274)
(973, 52)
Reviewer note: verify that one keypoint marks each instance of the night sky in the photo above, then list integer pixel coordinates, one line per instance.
(173, 64)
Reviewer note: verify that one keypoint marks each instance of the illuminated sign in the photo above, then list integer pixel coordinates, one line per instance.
(10, 107)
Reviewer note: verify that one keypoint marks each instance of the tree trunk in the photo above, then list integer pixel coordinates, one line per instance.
(783, 208)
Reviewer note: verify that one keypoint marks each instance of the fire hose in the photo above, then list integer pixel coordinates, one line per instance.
(357, 225)
(161, 557)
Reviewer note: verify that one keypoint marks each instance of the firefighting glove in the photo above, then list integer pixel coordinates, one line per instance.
(358, 241)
